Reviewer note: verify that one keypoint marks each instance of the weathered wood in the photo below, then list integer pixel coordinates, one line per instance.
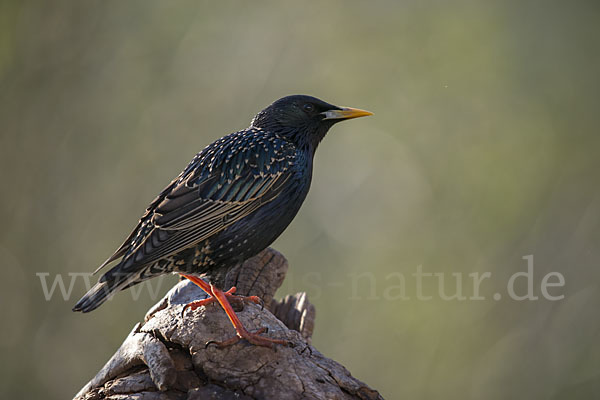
(166, 356)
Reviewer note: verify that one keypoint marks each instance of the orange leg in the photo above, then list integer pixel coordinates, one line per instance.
(222, 298)
(230, 294)
(208, 289)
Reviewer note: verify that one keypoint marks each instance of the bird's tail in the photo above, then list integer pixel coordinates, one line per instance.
(106, 287)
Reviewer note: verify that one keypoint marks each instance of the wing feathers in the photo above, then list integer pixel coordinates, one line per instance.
(221, 186)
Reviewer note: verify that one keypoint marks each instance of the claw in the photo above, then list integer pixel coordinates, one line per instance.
(198, 303)
(223, 298)
(252, 338)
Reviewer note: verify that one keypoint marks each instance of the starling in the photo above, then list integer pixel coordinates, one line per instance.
(232, 201)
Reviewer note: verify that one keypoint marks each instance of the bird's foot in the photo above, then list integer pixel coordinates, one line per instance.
(223, 299)
(251, 337)
(231, 297)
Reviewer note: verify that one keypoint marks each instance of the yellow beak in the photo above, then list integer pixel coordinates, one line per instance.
(346, 113)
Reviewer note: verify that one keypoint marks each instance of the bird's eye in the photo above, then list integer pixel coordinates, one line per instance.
(308, 107)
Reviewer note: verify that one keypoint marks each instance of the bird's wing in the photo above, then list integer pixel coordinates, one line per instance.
(224, 183)
(127, 244)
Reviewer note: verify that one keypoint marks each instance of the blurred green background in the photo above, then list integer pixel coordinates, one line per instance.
(484, 148)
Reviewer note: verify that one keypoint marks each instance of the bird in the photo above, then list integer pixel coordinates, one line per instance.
(231, 202)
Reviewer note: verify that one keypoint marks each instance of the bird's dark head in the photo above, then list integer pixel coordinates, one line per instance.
(304, 119)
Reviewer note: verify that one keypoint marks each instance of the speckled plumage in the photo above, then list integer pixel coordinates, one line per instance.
(233, 200)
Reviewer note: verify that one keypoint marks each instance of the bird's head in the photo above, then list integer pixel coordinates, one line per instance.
(304, 119)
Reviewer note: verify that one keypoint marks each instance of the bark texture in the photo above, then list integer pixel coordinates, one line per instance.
(166, 357)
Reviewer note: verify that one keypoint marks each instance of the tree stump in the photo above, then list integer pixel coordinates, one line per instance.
(166, 356)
